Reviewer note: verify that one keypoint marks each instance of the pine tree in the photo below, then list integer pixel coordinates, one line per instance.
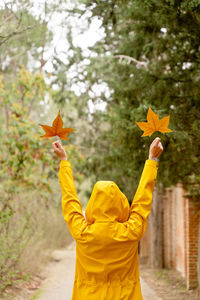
(149, 56)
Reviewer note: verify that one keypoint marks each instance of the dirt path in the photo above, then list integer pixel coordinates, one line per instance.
(60, 274)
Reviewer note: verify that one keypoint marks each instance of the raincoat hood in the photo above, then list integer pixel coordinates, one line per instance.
(107, 203)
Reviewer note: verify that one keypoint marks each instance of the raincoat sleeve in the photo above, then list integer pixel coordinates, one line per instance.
(71, 206)
(141, 205)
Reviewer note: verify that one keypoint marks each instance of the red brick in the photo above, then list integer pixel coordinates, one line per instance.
(180, 235)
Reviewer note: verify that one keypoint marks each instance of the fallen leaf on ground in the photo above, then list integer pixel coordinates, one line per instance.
(56, 129)
(154, 124)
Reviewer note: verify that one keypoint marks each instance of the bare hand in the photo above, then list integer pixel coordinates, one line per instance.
(156, 148)
(59, 150)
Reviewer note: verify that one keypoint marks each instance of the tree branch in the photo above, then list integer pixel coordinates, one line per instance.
(132, 59)
(5, 38)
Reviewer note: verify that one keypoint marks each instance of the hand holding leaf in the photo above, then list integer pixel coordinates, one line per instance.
(59, 150)
(156, 148)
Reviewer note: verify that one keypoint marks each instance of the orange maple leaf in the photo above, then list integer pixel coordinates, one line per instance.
(154, 124)
(57, 129)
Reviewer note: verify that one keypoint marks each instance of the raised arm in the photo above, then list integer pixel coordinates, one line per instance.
(71, 206)
(141, 205)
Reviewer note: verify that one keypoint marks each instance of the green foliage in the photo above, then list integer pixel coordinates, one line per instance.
(11, 246)
(22, 37)
(30, 213)
(27, 165)
(163, 36)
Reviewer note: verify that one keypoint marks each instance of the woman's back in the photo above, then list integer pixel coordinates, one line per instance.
(107, 239)
(106, 265)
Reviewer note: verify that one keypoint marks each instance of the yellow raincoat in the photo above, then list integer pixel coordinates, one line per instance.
(107, 240)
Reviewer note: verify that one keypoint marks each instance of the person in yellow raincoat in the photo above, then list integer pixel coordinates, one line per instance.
(107, 239)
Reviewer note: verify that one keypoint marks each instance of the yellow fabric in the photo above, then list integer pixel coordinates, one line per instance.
(107, 240)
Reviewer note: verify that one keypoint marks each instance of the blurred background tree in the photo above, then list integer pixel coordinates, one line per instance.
(149, 56)
(30, 209)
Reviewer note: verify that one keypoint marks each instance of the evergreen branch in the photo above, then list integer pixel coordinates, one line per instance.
(5, 38)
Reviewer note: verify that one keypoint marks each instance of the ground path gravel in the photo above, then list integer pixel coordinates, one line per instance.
(59, 276)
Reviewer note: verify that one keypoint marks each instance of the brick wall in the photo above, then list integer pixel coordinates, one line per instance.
(192, 225)
(180, 235)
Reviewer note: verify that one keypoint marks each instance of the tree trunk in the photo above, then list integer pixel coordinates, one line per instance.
(156, 225)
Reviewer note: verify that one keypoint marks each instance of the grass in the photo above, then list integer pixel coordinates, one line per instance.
(172, 277)
(163, 274)
(36, 295)
(45, 231)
